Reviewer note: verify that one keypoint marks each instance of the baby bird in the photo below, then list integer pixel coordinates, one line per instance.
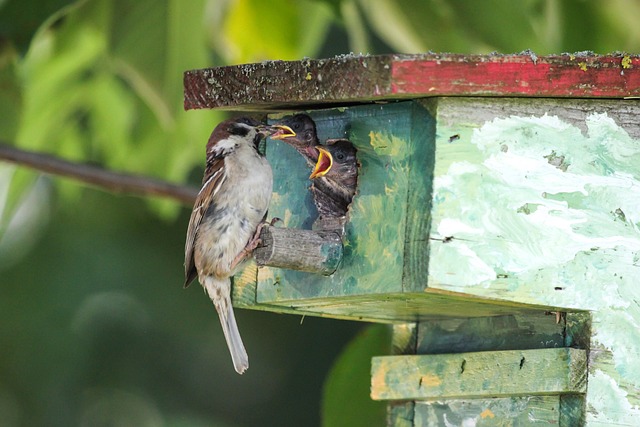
(335, 166)
(335, 174)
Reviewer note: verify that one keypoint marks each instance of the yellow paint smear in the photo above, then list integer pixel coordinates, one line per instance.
(266, 275)
(378, 383)
(287, 217)
(430, 380)
(388, 145)
(487, 413)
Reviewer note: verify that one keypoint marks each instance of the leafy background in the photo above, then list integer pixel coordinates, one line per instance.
(95, 328)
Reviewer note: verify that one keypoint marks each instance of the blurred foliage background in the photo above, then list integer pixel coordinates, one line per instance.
(95, 328)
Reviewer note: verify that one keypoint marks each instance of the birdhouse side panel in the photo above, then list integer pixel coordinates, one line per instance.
(538, 201)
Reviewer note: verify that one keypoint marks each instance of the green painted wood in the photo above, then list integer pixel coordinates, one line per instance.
(572, 410)
(394, 307)
(393, 149)
(498, 412)
(418, 214)
(404, 341)
(565, 175)
(507, 332)
(513, 176)
(479, 374)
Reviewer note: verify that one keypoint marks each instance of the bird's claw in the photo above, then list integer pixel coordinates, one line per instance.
(274, 220)
(253, 243)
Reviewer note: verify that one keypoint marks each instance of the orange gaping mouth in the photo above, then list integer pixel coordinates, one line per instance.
(282, 132)
(323, 164)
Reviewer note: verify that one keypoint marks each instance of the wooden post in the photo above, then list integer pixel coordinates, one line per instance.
(496, 224)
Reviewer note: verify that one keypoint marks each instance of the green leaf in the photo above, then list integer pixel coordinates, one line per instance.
(255, 30)
(346, 401)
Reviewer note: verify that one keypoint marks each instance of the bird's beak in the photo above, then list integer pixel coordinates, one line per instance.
(282, 132)
(276, 131)
(323, 164)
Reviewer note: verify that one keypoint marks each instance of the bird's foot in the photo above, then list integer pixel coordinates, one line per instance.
(273, 222)
(253, 243)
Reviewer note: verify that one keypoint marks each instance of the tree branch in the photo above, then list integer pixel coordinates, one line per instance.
(111, 181)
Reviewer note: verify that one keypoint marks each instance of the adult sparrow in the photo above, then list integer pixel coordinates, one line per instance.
(229, 209)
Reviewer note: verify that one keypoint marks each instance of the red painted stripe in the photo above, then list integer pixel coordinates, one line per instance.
(517, 75)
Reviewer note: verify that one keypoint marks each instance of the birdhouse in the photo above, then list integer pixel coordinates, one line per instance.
(495, 224)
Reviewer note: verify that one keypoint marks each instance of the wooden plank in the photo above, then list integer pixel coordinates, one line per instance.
(272, 84)
(479, 374)
(518, 75)
(349, 79)
(507, 332)
(420, 163)
(498, 412)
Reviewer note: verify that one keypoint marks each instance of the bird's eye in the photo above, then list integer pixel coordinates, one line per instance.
(340, 156)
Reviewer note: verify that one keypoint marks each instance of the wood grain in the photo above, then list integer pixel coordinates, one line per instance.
(351, 79)
(480, 374)
(302, 250)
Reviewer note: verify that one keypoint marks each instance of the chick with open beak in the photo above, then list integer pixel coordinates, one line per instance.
(334, 164)
(304, 138)
(337, 169)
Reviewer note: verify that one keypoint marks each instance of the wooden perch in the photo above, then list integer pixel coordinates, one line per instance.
(302, 250)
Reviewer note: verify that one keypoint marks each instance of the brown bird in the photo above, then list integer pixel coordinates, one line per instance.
(227, 216)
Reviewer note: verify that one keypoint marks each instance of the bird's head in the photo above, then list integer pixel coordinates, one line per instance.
(336, 161)
(305, 136)
(235, 133)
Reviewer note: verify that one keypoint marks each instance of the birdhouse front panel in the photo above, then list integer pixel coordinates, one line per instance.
(388, 218)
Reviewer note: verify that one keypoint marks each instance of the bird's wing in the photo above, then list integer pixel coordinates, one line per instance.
(205, 199)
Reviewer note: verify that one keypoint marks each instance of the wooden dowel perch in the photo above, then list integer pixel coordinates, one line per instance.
(302, 250)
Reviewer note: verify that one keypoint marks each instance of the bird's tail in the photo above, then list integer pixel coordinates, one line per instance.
(219, 291)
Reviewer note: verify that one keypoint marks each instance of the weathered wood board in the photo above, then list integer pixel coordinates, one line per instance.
(510, 332)
(350, 79)
(481, 374)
